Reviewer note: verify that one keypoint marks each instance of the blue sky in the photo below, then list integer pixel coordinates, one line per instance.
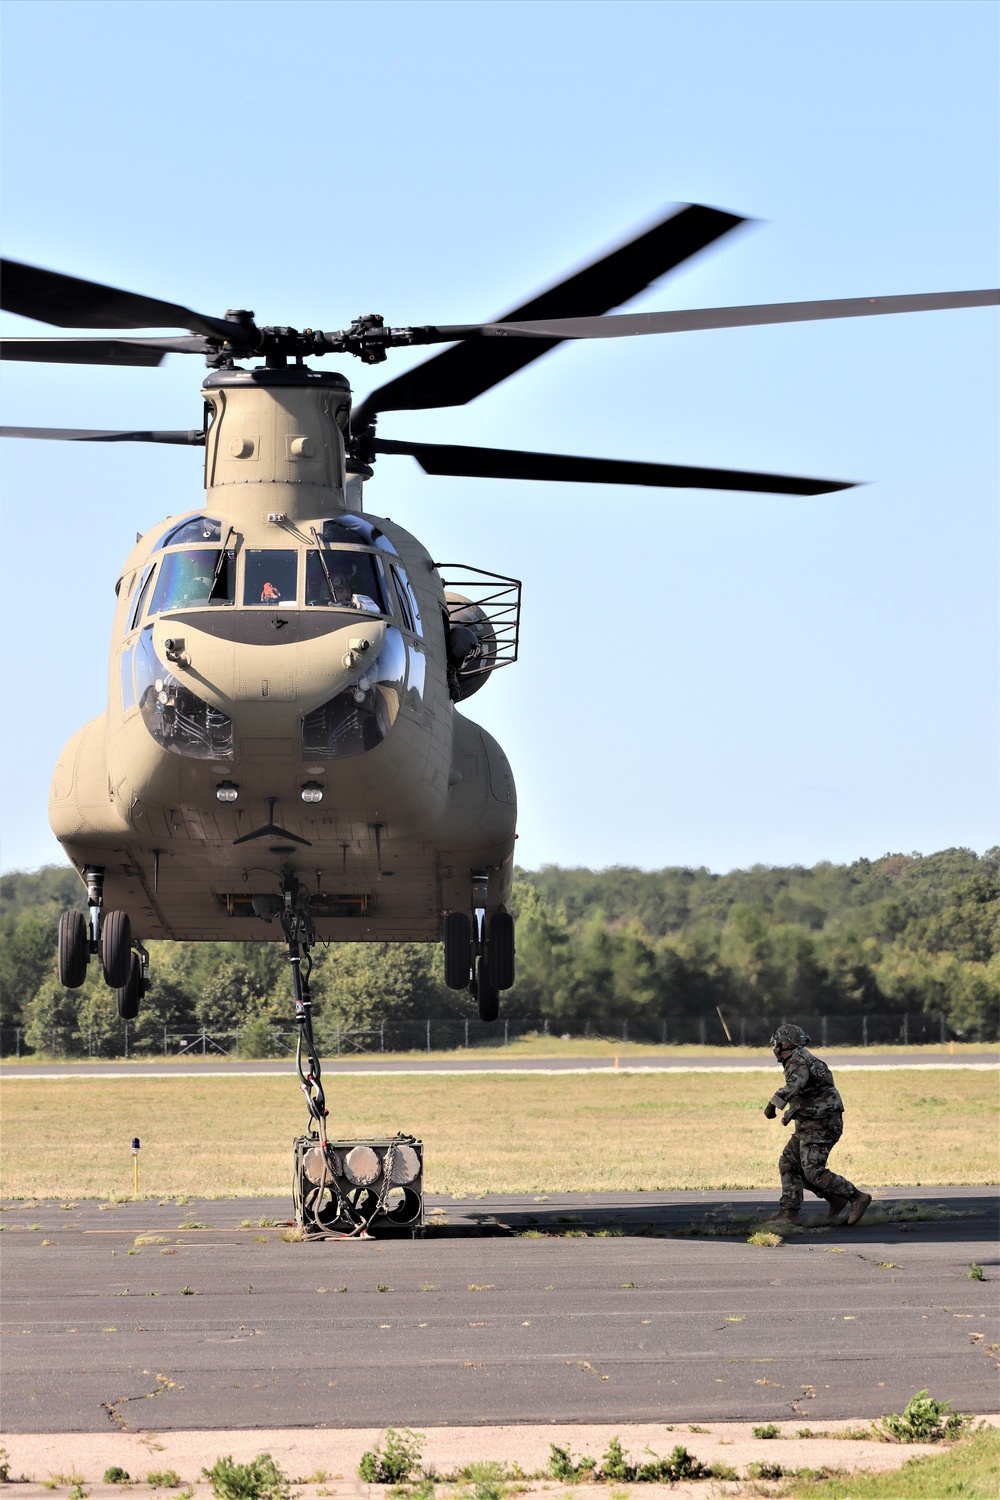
(705, 679)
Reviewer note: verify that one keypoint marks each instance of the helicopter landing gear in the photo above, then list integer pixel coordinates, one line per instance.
(74, 949)
(457, 949)
(485, 992)
(116, 948)
(128, 995)
(499, 954)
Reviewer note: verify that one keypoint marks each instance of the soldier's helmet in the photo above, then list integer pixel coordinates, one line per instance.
(789, 1036)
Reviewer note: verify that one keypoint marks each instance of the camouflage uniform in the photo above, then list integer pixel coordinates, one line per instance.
(812, 1099)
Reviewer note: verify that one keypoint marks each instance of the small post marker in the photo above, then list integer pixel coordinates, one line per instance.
(951, 1048)
(135, 1165)
(616, 1059)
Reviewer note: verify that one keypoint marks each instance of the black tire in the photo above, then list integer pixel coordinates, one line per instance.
(487, 994)
(457, 950)
(116, 948)
(127, 995)
(74, 949)
(500, 950)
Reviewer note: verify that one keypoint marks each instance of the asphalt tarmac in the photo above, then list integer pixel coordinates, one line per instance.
(572, 1308)
(373, 1064)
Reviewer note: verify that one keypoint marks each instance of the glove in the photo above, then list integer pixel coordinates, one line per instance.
(788, 1117)
(769, 1110)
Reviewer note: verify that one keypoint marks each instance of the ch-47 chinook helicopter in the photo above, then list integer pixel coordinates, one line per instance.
(283, 736)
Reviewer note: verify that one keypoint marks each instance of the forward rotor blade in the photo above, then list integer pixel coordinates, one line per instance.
(193, 439)
(100, 351)
(69, 302)
(477, 364)
(504, 463)
(627, 325)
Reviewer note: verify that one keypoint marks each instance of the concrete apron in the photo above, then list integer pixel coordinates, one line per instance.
(306, 1453)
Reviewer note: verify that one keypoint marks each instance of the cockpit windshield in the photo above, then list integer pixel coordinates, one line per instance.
(345, 579)
(199, 575)
(356, 530)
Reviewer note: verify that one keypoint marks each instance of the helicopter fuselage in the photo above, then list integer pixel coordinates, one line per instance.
(281, 698)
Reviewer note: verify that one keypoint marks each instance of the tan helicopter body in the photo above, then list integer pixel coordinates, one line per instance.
(226, 687)
(282, 739)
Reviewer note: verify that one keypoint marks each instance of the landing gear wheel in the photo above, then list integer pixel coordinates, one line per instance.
(500, 950)
(457, 949)
(127, 995)
(486, 993)
(116, 948)
(74, 949)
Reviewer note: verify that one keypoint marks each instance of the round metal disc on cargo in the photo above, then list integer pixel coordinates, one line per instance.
(316, 1168)
(362, 1166)
(406, 1165)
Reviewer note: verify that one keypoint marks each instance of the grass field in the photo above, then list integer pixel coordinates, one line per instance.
(216, 1137)
(537, 1044)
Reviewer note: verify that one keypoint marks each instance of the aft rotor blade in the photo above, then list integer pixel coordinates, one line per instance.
(477, 364)
(504, 463)
(147, 352)
(627, 325)
(192, 439)
(69, 302)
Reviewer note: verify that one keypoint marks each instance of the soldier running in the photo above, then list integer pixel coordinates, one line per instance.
(812, 1100)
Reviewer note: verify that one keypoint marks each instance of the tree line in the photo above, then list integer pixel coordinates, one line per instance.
(667, 954)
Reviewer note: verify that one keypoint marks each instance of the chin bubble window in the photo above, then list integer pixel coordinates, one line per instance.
(271, 578)
(176, 717)
(359, 718)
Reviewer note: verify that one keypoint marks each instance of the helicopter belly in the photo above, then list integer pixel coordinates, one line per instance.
(387, 852)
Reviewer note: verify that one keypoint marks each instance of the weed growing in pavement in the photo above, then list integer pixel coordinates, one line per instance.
(260, 1479)
(397, 1463)
(974, 1273)
(163, 1479)
(771, 1430)
(116, 1475)
(762, 1237)
(924, 1421)
(4, 1466)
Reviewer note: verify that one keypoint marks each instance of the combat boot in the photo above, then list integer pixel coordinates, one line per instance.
(787, 1216)
(835, 1207)
(859, 1206)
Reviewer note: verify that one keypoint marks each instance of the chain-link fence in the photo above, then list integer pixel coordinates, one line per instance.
(431, 1035)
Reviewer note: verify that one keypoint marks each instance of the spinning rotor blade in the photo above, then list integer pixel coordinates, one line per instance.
(100, 351)
(503, 463)
(477, 364)
(69, 302)
(193, 439)
(626, 325)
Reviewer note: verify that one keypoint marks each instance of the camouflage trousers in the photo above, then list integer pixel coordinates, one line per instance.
(802, 1164)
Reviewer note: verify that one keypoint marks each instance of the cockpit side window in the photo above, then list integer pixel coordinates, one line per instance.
(192, 531)
(197, 576)
(408, 606)
(147, 579)
(345, 579)
(271, 577)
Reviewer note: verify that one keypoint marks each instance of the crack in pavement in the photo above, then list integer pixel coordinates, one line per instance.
(163, 1384)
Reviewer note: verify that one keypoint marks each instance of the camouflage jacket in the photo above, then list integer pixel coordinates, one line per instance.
(809, 1088)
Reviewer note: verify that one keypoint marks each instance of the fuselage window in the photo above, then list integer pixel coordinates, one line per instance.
(271, 578)
(137, 612)
(198, 529)
(346, 579)
(201, 575)
(415, 679)
(128, 687)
